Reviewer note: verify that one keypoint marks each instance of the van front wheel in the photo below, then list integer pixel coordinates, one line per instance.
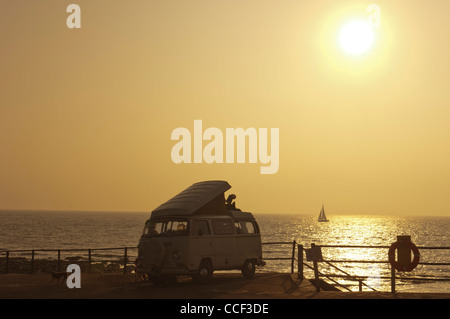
(205, 272)
(248, 270)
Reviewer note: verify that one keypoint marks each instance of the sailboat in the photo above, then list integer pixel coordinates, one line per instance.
(322, 217)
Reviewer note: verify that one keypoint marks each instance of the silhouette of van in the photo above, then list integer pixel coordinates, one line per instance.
(197, 232)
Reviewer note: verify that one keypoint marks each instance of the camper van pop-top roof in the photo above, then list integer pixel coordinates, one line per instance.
(200, 199)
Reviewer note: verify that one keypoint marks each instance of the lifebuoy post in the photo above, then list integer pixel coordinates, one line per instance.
(404, 250)
(404, 247)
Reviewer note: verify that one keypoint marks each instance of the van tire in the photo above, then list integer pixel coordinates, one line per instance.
(205, 273)
(248, 270)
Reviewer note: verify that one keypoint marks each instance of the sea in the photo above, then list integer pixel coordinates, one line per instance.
(65, 230)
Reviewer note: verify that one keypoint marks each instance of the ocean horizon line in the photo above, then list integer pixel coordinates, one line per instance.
(84, 211)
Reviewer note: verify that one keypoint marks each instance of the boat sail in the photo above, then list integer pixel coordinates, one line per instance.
(322, 217)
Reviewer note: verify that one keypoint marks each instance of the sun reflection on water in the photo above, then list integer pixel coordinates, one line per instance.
(360, 230)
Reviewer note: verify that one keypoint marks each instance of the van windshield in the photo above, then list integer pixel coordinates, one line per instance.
(166, 227)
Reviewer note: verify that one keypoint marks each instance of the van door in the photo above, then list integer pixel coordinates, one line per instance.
(224, 244)
(201, 243)
(248, 241)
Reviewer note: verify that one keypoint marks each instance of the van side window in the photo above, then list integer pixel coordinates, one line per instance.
(238, 227)
(250, 227)
(246, 227)
(223, 227)
(200, 228)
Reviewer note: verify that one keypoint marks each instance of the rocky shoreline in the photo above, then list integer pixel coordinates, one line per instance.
(23, 265)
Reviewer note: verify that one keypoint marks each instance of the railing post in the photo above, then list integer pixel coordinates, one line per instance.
(89, 260)
(59, 260)
(299, 261)
(125, 261)
(32, 261)
(6, 262)
(316, 271)
(392, 280)
(293, 257)
(360, 285)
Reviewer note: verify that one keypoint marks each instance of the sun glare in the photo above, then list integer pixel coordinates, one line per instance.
(356, 37)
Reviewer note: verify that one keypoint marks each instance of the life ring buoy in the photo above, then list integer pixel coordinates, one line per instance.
(391, 254)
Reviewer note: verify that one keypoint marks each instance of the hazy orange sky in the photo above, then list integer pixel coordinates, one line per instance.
(86, 114)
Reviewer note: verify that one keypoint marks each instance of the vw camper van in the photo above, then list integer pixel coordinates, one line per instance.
(197, 232)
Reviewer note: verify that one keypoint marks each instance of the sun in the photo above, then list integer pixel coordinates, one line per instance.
(356, 37)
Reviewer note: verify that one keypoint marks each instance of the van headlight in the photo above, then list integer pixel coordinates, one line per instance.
(176, 254)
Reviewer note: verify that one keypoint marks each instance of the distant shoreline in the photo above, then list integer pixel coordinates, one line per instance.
(68, 211)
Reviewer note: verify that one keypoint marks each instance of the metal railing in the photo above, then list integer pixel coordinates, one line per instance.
(297, 258)
(122, 260)
(125, 259)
